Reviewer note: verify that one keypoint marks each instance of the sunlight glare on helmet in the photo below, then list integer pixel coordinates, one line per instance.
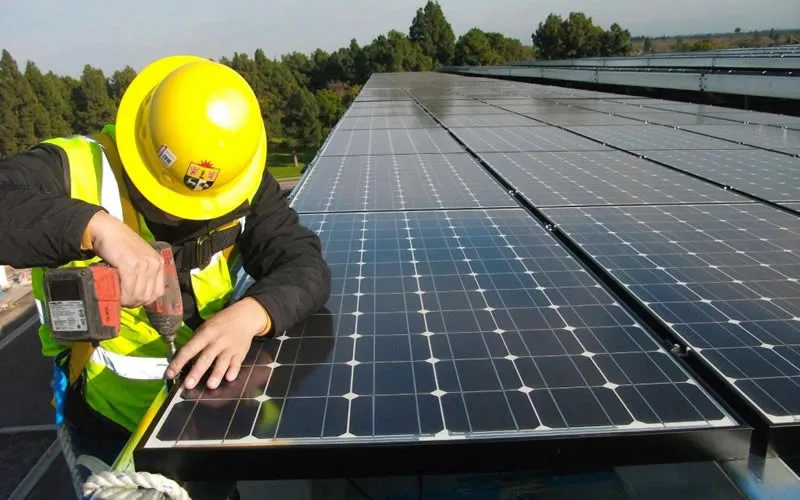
(227, 110)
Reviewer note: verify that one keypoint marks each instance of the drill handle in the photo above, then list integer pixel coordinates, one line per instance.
(171, 303)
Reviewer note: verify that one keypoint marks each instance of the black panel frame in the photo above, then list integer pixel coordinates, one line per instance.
(574, 453)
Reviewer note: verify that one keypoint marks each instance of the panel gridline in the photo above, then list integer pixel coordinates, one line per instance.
(445, 325)
(722, 277)
(772, 176)
(600, 178)
(398, 182)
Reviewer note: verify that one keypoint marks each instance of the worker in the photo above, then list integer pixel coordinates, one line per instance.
(184, 163)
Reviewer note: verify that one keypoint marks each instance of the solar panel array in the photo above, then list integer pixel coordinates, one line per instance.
(457, 315)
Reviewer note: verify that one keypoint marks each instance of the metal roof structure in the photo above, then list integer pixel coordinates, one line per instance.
(516, 266)
(763, 72)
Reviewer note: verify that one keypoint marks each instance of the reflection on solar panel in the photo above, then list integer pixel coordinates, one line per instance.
(600, 178)
(447, 325)
(401, 182)
(461, 316)
(771, 176)
(724, 278)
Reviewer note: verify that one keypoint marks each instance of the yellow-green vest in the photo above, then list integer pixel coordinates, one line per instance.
(123, 375)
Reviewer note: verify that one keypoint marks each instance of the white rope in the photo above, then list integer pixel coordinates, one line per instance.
(107, 485)
(132, 486)
(70, 458)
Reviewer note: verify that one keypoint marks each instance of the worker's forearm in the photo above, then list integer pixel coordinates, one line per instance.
(41, 229)
(290, 294)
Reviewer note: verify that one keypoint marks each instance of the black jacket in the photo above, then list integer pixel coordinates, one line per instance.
(40, 225)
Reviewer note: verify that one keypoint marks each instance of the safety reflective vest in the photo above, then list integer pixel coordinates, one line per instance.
(123, 375)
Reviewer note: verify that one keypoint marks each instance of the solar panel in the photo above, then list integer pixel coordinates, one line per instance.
(763, 136)
(771, 176)
(398, 182)
(600, 178)
(513, 139)
(443, 326)
(460, 327)
(378, 122)
(501, 119)
(724, 278)
(391, 141)
(652, 137)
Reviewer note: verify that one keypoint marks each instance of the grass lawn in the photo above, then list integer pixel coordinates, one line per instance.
(281, 164)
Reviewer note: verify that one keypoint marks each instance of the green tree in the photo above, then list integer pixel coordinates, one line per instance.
(475, 49)
(433, 33)
(93, 106)
(580, 37)
(23, 120)
(51, 96)
(120, 80)
(509, 49)
(330, 107)
(548, 38)
(615, 42)
(301, 121)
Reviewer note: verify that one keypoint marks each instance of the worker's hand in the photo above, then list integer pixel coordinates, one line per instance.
(139, 266)
(223, 341)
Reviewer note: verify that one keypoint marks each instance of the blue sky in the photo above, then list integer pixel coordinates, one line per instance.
(61, 37)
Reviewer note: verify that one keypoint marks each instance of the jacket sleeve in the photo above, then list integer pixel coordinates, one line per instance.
(284, 258)
(40, 225)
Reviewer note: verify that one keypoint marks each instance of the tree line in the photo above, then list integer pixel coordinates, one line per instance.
(714, 41)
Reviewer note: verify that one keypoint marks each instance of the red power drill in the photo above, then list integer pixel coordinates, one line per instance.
(84, 303)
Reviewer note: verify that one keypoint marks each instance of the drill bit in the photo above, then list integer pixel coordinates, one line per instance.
(171, 350)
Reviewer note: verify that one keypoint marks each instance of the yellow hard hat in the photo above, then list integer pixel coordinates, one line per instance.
(191, 137)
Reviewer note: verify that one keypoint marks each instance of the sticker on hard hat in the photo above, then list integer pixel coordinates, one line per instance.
(200, 176)
(166, 156)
